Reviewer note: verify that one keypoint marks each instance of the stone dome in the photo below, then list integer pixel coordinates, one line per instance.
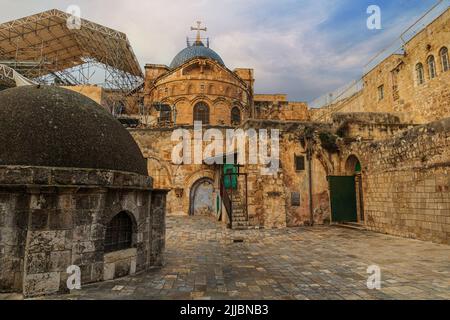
(198, 50)
(54, 127)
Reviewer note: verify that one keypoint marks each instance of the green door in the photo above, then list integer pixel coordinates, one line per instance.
(343, 199)
(230, 181)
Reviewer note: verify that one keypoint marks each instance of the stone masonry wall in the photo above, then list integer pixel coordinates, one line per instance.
(406, 182)
(402, 94)
(60, 219)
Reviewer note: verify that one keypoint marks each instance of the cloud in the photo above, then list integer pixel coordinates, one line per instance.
(300, 47)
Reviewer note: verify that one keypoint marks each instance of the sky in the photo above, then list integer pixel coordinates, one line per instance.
(304, 48)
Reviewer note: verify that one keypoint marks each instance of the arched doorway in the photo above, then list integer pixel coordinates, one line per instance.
(353, 168)
(201, 200)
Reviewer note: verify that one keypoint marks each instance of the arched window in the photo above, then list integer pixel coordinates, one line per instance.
(165, 113)
(352, 165)
(431, 67)
(201, 113)
(119, 233)
(235, 116)
(443, 53)
(419, 74)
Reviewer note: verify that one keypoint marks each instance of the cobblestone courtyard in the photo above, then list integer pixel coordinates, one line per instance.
(204, 260)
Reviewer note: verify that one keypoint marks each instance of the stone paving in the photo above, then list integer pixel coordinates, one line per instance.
(204, 260)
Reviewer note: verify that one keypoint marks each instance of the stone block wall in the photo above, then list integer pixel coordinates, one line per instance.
(59, 219)
(402, 94)
(406, 182)
(13, 235)
(270, 200)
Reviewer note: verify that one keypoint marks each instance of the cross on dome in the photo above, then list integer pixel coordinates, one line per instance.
(198, 29)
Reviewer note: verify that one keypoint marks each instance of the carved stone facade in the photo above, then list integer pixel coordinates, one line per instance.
(198, 82)
(315, 144)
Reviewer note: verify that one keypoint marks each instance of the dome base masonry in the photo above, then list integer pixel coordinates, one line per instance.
(69, 175)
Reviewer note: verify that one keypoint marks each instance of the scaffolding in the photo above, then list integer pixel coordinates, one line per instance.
(44, 49)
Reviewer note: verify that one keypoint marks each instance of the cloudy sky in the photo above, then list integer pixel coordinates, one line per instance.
(304, 48)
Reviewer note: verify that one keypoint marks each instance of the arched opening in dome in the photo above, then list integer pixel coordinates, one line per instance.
(235, 116)
(201, 113)
(119, 233)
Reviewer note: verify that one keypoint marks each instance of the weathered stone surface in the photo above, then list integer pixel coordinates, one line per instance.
(116, 256)
(319, 262)
(67, 227)
(405, 182)
(73, 132)
(41, 284)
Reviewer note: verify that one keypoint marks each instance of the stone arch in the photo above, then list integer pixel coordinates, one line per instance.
(219, 100)
(201, 98)
(160, 172)
(352, 165)
(181, 99)
(167, 100)
(123, 221)
(201, 197)
(189, 182)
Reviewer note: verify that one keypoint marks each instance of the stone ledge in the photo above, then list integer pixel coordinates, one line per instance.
(70, 177)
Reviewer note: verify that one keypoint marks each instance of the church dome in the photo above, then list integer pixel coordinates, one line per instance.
(198, 50)
(55, 127)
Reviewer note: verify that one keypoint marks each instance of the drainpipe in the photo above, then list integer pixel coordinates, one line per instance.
(311, 211)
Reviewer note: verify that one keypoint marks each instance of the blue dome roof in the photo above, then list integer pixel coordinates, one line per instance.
(195, 51)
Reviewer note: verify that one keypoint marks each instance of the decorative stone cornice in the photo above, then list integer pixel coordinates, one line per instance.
(72, 177)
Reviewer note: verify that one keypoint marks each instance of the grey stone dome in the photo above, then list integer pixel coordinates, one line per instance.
(197, 50)
(54, 127)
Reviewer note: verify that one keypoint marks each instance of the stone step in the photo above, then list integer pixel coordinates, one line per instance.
(351, 225)
(239, 226)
